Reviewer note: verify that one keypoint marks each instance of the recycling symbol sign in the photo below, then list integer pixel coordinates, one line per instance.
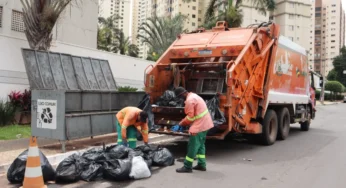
(47, 112)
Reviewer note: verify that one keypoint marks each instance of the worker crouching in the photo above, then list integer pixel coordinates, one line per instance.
(198, 116)
(128, 121)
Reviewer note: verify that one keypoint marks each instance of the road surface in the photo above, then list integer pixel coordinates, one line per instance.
(306, 159)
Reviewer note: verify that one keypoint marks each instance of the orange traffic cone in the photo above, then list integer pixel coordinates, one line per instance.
(33, 172)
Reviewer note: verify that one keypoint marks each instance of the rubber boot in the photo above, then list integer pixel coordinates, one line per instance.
(184, 170)
(200, 168)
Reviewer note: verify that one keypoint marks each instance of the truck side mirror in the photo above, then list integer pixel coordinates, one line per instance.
(321, 81)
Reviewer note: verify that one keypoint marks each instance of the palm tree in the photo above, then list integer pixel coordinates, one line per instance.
(133, 50)
(106, 33)
(39, 18)
(160, 32)
(122, 42)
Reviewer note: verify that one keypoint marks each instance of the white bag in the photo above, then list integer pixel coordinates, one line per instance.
(139, 168)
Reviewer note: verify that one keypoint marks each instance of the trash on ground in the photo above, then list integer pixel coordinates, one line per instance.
(15, 173)
(163, 157)
(139, 169)
(115, 163)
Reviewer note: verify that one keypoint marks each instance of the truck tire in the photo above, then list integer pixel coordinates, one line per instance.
(305, 126)
(269, 128)
(283, 123)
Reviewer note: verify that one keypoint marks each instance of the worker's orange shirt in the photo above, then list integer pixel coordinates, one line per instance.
(197, 114)
(129, 117)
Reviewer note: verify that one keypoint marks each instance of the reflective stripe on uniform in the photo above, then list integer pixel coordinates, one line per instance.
(199, 116)
(123, 113)
(120, 140)
(201, 156)
(145, 131)
(123, 127)
(189, 159)
(132, 139)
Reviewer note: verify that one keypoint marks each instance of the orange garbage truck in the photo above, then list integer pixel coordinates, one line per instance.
(262, 80)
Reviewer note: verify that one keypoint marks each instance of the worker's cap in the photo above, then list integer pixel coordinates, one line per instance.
(179, 91)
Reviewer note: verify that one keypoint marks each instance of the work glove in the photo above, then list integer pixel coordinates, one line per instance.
(125, 143)
(175, 128)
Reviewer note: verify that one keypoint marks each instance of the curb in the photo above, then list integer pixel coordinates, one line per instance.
(54, 160)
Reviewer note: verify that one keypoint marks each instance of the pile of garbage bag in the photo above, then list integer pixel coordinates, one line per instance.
(115, 163)
(168, 99)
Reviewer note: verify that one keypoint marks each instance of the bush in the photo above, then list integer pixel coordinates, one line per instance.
(7, 112)
(334, 86)
(21, 101)
(127, 89)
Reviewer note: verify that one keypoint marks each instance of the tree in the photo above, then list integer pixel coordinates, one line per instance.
(160, 32)
(339, 64)
(106, 33)
(335, 87)
(39, 18)
(332, 75)
(229, 11)
(111, 39)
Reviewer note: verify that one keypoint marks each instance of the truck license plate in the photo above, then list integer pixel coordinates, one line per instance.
(205, 52)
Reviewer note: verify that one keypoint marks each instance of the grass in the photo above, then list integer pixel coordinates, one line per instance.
(10, 132)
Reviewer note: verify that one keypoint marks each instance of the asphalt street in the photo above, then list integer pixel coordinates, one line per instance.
(306, 159)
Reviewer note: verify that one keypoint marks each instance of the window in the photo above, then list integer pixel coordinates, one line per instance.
(291, 5)
(333, 35)
(291, 38)
(317, 32)
(17, 21)
(333, 41)
(193, 24)
(291, 27)
(199, 12)
(333, 5)
(318, 15)
(318, 9)
(193, 16)
(199, 19)
(297, 38)
(291, 16)
(194, 8)
(333, 23)
(0, 16)
(333, 11)
(332, 47)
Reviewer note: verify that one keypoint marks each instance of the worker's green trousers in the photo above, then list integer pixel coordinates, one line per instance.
(196, 148)
(131, 135)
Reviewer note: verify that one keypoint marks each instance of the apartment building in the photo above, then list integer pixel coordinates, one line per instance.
(141, 11)
(252, 15)
(296, 20)
(329, 33)
(122, 8)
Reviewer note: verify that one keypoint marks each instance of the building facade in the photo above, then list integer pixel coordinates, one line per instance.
(296, 20)
(329, 33)
(141, 11)
(121, 8)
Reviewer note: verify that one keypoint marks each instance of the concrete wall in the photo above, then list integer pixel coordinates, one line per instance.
(127, 71)
(76, 25)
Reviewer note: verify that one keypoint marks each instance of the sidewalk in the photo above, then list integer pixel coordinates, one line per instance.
(318, 103)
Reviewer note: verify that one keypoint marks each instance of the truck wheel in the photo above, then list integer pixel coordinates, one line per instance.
(305, 126)
(269, 128)
(284, 123)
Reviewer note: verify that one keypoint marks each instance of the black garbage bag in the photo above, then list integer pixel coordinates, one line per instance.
(92, 172)
(146, 106)
(215, 112)
(70, 169)
(117, 152)
(167, 97)
(15, 173)
(117, 169)
(146, 152)
(162, 157)
(95, 154)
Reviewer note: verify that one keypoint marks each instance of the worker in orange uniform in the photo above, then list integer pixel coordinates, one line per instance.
(128, 121)
(198, 116)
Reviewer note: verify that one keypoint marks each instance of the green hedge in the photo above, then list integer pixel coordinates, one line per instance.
(329, 96)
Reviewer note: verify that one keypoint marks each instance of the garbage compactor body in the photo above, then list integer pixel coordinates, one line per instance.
(262, 80)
